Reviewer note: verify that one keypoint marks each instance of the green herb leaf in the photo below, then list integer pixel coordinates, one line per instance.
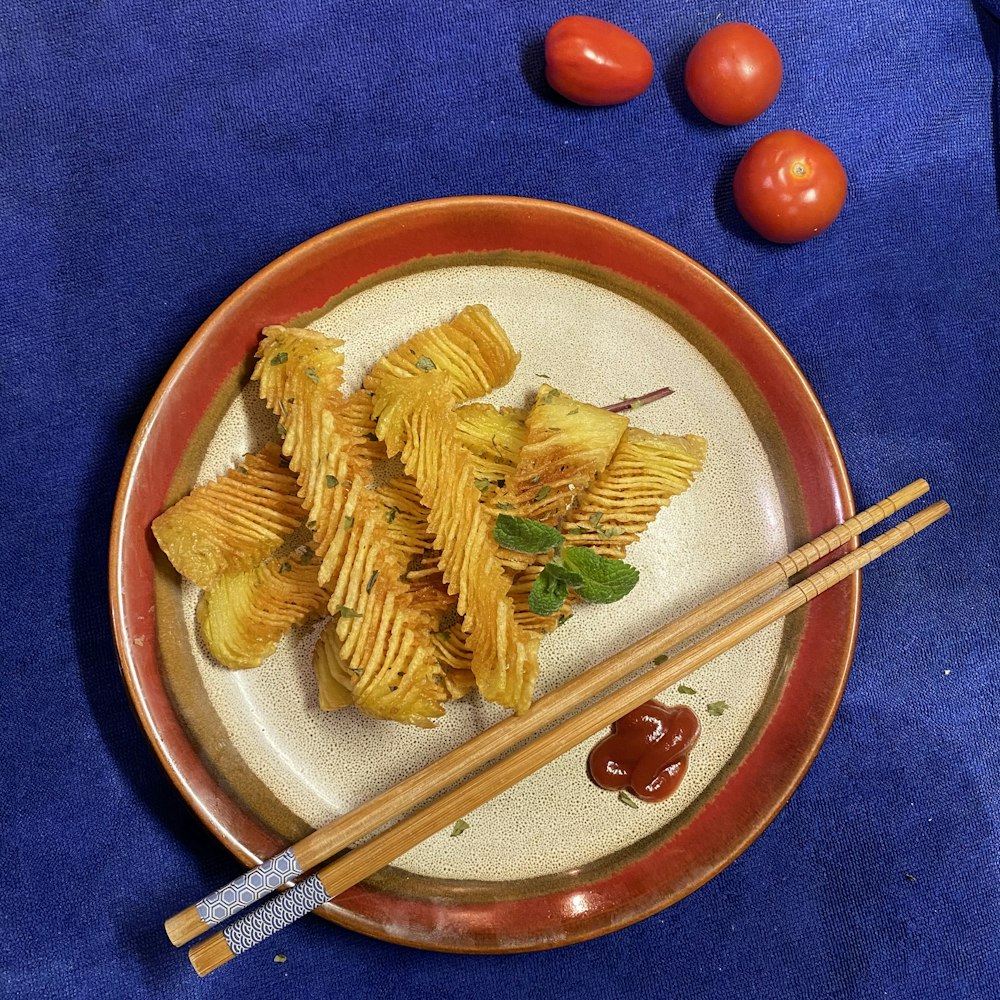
(558, 571)
(482, 484)
(609, 532)
(348, 522)
(459, 828)
(312, 375)
(716, 707)
(626, 800)
(425, 364)
(577, 530)
(390, 514)
(542, 375)
(662, 658)
(521, 534)
(543, 492)
(563, 618)
(684, 689)
(306, 557)
(595, 518)
(371, 581)
(279, 359)
(285, 567)
(331, 481)
(345, 612)
(505, 506)
(604, 580)
(242, 470)
(548, 593)
(281, 430)
(550, 395)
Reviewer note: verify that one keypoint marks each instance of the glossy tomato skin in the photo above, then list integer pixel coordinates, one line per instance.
(789, 186)
(594, 63)
(733, 73)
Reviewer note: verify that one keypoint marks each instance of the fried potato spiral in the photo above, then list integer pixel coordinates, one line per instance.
(233, 522)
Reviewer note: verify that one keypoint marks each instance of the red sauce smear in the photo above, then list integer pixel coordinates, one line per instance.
(647, 751)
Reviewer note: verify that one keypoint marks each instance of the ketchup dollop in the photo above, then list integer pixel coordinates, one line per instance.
(646, 752)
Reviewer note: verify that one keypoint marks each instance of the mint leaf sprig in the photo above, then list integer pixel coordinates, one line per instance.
(594, 577)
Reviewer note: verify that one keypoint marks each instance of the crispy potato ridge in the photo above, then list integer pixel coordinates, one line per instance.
(244, 614)
(646, 472)
(416, 418)
(234, 522)
(493, 437)
(567, 443)
(471, 349)
(393, 672)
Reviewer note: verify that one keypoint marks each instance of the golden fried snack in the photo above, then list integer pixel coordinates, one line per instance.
(391, 668)
(450, 641)
(407, 520)
(567, 443)
(244, 614)
(471, 349)
(234, 522)
(333, 677)
(494, 438)
(416, 419)
(646, 471)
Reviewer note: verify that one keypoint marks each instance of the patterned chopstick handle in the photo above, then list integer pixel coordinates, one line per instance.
(248, 888)
(278, 912)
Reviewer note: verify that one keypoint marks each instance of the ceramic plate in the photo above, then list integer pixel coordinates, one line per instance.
(603, 311)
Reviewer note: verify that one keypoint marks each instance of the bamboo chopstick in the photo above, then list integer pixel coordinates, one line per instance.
(357, 864)
(455, 765)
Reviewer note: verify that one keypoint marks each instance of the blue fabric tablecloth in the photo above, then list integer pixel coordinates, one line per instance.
(156, 155)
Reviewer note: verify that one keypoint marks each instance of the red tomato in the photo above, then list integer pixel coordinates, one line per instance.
(594, 62)
(789, 186)
(733, 73)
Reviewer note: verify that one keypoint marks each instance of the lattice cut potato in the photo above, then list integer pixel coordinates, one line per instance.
(471, 349)
(647, 470)
(234, 522)
(392, 672)
(244, 614)
(567, 443)
(450, 642)
(394, 691)
(333, 676)
(416, 418)
(494, 438)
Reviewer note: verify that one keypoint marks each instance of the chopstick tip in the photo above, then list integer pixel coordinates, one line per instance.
(208, 955)
(184, 926)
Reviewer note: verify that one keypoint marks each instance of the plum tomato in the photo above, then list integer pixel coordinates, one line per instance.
(594, 63)
(733, 73)
(789, 186)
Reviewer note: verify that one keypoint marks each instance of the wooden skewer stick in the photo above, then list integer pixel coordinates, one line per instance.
(351, 868)
(323, 843)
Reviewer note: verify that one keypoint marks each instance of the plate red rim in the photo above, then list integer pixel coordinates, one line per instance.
(304, 278)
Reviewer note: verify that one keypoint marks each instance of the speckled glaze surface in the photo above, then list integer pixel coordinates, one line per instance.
(602, 311)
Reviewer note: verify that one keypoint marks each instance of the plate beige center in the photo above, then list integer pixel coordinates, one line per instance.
(599, 346)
